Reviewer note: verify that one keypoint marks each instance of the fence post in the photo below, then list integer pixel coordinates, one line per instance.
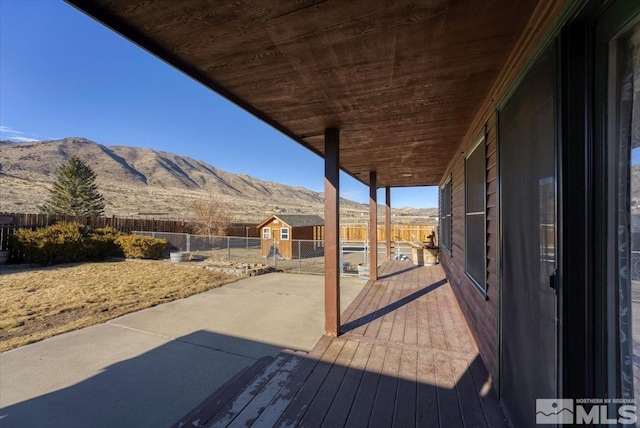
(153, 234)
(299, 259)
(228, 248)
(188, 243)
(275, 250)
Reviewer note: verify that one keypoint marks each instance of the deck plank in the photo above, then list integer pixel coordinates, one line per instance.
(448, 404)
(450, 332)
(488, 397)
(375, 320)
(427, 412)
(386, 326)
(383, 406)
(283, 398)
(341, 406)
(359, 320)
(424, 323)
(212, 404)
(363, 403)
(406, 358)
(411, 324)
(406, 399)
(438, 340)
(472, 412)
(320, 347)
(327, 392)
(253, 409)
(357, 302)
(467, 341)
(300, 404)
(229, 412)
(400, 317)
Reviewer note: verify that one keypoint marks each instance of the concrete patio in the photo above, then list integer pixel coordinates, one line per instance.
(151, 367)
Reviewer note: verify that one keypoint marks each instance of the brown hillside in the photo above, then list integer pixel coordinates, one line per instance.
(143, 180)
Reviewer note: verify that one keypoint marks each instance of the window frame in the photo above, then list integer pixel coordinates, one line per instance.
(266, 233)
(610, 240)
(282, 235)
(446, 217)
(479, 283)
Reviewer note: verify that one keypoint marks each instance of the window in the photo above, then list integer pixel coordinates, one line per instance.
(284, 233)
(266, 233)
(445, 215)
(475, 197)
(623, 254)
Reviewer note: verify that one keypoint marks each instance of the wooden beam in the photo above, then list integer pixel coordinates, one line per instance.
(331, 231)
(373, 225)
(387, 219)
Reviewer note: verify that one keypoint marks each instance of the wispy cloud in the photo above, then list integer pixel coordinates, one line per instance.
(7, 133)
(22, 139)
(353, 194)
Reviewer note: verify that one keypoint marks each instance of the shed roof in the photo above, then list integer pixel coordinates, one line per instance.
(295, 220)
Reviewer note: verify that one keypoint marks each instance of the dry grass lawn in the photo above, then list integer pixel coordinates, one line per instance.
(36, 303)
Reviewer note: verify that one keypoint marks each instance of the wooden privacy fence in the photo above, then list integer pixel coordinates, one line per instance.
(9, 222)
(360, 232)
(123, 224)
(243, 229)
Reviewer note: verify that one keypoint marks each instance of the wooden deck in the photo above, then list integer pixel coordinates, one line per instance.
(405, 358)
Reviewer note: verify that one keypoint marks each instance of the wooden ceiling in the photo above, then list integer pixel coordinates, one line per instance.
(401, 79)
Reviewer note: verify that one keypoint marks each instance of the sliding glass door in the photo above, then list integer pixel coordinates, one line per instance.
(617, 204)
(527, 150)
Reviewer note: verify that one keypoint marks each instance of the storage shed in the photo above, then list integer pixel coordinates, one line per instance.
(279, 231)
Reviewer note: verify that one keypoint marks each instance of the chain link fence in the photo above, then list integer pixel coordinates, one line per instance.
(302, 256)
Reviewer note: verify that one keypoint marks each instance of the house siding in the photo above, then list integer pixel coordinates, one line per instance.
(482, 314)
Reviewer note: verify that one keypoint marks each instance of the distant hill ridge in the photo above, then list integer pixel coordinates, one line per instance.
(135, 166)
(137, 179)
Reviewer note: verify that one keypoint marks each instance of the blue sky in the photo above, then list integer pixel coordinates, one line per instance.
(64, 75)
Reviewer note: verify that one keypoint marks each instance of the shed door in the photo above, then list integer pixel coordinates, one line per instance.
(528, 311)
(275, 235)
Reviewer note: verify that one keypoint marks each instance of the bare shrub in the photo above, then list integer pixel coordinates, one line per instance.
(210, 216)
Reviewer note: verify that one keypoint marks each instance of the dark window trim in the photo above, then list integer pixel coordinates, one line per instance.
(614, 21)
(446, 186)
(481, 140)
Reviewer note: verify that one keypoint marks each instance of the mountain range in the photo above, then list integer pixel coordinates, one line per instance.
(155, 183)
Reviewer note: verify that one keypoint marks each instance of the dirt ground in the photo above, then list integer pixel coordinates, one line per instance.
(40, 302)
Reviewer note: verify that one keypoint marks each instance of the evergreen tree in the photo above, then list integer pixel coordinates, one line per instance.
(74, 192)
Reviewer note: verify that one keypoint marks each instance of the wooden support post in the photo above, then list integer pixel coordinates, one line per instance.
(387, 219)
(373, 226)
(331, 231)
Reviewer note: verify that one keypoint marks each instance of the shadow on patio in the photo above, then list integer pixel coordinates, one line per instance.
(405, 358)
(152, 389)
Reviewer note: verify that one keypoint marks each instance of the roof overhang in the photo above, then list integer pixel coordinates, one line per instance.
(402, 80)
